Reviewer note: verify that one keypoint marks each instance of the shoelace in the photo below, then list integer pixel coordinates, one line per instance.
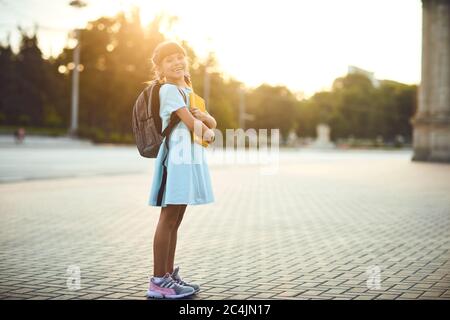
(180, 281)
(172, 281)
(169, 283)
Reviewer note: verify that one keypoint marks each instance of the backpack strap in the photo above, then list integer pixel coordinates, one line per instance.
(184, 95)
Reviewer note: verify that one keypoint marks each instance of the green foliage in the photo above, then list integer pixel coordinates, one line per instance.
(115, 54)
(355, 108)
(273, 107)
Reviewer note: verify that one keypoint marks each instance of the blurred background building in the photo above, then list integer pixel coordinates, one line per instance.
(431, 135)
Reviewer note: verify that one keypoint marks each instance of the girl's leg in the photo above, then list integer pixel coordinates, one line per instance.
(173, 239)
(161, 242)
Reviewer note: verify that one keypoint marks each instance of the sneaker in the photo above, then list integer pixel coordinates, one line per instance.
(175, 276)
(168, 288)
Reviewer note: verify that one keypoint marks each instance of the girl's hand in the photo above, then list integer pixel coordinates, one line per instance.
(209, 136)
(200, 115)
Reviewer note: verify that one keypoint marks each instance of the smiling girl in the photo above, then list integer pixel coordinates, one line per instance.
(186, 182)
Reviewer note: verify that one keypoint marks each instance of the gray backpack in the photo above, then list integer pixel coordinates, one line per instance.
(147, 124)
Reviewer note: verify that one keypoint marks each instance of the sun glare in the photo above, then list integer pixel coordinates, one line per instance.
(304, 45)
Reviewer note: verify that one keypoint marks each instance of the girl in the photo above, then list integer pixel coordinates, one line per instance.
(187, 182)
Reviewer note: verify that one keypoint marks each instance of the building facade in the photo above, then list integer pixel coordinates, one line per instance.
(431, 123)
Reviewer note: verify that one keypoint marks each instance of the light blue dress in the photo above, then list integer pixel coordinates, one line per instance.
(188, 180)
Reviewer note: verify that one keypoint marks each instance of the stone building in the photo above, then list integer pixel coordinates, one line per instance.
(431, 123)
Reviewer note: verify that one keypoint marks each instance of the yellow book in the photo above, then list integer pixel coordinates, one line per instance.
(199, 103)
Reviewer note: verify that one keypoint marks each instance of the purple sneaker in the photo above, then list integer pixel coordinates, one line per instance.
(176, 277)
(167, 288)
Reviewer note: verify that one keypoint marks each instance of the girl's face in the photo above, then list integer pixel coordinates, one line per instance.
(173, 67)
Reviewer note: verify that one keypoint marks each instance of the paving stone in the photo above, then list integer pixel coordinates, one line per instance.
(317, 229)
(410, 295)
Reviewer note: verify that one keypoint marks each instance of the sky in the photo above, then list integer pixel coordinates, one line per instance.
(301, 44)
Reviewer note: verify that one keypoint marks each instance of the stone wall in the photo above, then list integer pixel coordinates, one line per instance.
(431, 136)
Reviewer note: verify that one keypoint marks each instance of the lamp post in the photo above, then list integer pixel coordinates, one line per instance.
(241, 108)
(206, 83)
(207, 79)
(75, 75)
(243, 116)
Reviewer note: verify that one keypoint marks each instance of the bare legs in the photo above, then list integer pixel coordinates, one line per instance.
(173, 240)
(165, 240)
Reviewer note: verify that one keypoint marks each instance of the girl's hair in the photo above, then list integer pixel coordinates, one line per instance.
(163, 50)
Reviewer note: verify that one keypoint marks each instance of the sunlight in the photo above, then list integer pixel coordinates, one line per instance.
(304, 45)
(189, 26)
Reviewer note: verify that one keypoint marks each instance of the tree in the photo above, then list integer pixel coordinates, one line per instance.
(273, 107)
(115, 55)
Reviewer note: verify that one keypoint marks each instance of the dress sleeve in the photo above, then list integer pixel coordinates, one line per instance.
(171, 99)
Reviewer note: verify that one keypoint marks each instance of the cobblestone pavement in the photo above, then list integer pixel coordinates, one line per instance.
(350, 227)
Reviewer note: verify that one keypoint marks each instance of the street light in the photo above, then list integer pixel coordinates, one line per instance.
(243, 116)
(75, 74)
(207, 81)
(206, 78)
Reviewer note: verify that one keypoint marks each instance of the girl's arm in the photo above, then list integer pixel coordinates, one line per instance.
(205, 117)
(210, 121)
(189, 120)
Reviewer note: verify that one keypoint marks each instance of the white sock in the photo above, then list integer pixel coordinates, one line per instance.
(158, 279)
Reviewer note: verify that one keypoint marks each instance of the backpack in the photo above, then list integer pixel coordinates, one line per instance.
(146, 121)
